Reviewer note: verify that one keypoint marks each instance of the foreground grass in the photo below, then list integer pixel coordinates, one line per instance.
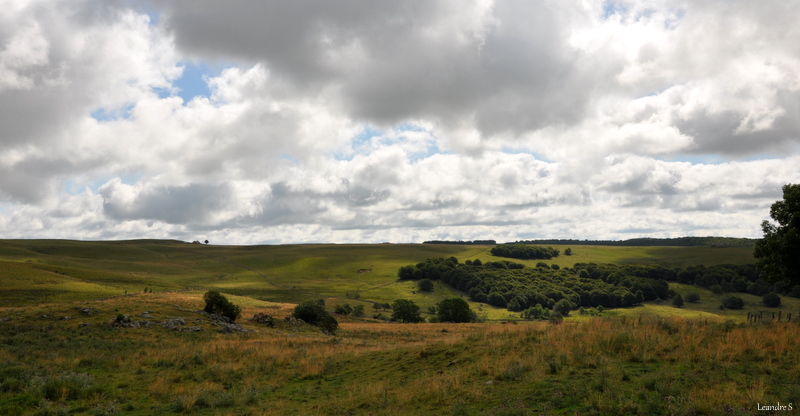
(626, 365)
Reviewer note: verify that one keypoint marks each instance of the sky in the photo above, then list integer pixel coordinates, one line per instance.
(358, 121)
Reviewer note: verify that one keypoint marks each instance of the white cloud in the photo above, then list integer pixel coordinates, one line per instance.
(397, 122)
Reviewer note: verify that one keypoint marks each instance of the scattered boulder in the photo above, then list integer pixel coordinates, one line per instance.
(173, 323)
(84, 325)
(146, 315)
(65, 318)
(191, 329)
(88, 311)
(231, 328)
(263, 318)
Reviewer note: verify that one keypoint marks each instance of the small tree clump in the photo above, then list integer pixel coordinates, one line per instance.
(562, 307)
(425, 285)
(771, 300)
(405, 310)
(345, 309)
(313, 313)
(693, 297)
(678, 301)
(454, 310)
(218, 304)
(732, 302)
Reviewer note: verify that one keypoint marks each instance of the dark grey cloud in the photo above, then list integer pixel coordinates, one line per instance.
(287, 205)
(194, 203)
(505, 68)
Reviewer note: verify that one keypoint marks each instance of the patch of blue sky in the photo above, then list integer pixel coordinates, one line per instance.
(73, 186)
(409, 127)
(290, 158)
(145, 7)
(103, 114)
(362, 142)
(194, 81)
(611, 8)
(717, 159)
(516, 151)
(431, 150)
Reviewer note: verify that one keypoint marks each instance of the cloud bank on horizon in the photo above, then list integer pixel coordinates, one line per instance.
(359, 121)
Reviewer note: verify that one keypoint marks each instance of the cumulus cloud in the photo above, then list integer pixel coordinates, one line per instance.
(405, 121)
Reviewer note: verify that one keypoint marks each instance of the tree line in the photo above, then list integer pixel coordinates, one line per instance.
(518, 288)
(525, 252)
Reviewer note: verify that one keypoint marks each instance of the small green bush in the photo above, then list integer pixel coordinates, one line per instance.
(733, 302)
(678, 301)
(404, 310)
(425, 285)
(693, 297)
(218, 304)
(313, 313)
(771, 300)
(454, 310)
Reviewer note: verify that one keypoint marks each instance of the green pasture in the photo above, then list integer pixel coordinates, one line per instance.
(36, 271)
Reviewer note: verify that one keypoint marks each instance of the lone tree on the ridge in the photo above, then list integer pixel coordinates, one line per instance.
(777, 253)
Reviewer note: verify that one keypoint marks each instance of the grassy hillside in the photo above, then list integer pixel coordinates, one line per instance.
(647, 365)
(651, 359)
(34, 271)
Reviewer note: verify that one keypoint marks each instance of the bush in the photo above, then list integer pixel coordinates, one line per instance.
(218, 304)
(733, 302)
(313, 313)
(678, 301)
(345, 309)
(425, 285)
(405, 310)
(358, 311)
(454, 310)
(771, 300)
(562, 307)
(693, 297)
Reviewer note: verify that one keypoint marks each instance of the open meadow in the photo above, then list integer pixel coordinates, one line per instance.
(60, 355)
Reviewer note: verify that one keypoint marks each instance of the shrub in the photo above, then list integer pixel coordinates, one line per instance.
(345, 309)
(454, 310)
(563, 307)
(536, 312)
(733, 302)
(693, 297)
(678, 301)
(358, 311)
(218, 304)
(771, 300)
(425, 285)
(313, 313)
(405, 310)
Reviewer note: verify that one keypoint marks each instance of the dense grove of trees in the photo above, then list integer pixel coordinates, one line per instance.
(524, 251)
(475, 242)
(778, 252)
(513, 286)
(650, 242)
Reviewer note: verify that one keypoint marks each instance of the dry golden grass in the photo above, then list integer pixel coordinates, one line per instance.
(600, 365)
